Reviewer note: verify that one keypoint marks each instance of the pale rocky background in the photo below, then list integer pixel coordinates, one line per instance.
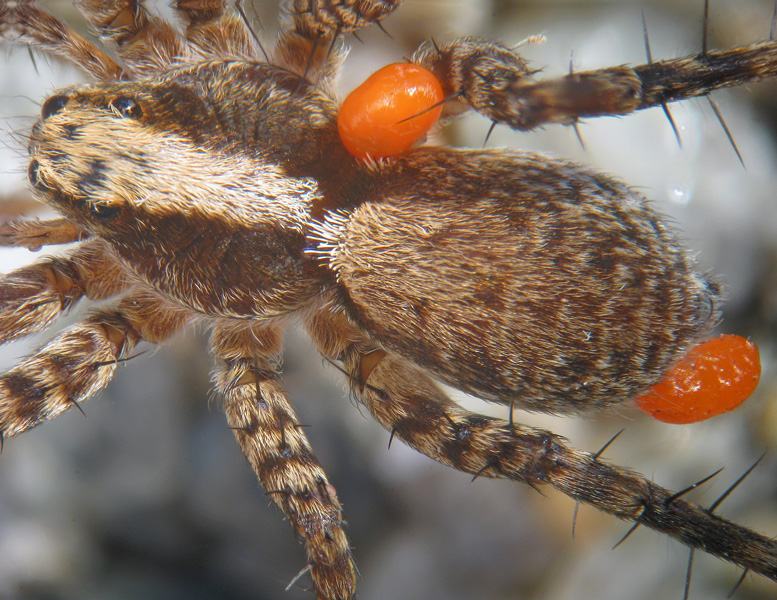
(148, 496)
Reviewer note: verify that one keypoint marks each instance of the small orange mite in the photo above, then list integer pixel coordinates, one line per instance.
(713, 378)
(392, 109)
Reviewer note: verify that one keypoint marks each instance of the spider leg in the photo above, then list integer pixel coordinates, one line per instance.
(81, 360)
(34, 233)
(146, 45)
(23, 22)
(496, 81)
(414, 409)
(214, 32)
(32, 297)
(308, 42)
(270, 436)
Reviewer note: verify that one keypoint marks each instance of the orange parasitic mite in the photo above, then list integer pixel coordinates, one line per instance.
(714, 378)
(392, 109)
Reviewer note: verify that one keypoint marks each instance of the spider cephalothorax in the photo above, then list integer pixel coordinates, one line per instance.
(212, 187)
(221, 207)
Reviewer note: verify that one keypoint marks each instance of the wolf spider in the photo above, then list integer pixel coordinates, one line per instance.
(194, 262)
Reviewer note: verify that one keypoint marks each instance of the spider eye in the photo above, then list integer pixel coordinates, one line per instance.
(126, 107)
(33, 174)
(386, 114)
(104, 212)
(53, 105)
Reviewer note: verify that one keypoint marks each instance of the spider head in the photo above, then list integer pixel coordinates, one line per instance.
(70, 160)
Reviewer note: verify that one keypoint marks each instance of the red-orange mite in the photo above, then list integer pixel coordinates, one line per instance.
(714, 378)
(390, 111)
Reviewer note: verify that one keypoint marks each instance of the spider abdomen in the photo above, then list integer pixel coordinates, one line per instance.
(521, 279)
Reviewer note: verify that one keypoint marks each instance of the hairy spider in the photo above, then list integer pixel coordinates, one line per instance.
(184, 247)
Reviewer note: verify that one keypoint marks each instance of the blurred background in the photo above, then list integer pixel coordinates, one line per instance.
(149, 496)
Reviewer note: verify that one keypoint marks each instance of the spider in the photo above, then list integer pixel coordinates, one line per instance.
(228, 331)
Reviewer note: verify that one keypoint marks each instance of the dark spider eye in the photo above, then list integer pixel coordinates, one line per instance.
(104, 212)
(126, 107)
(53, 105)
(33, 173)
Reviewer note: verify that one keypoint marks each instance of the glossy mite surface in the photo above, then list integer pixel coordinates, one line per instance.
(714, 378)
(386, 114)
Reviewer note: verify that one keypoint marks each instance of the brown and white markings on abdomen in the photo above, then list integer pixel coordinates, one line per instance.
(150, 488)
